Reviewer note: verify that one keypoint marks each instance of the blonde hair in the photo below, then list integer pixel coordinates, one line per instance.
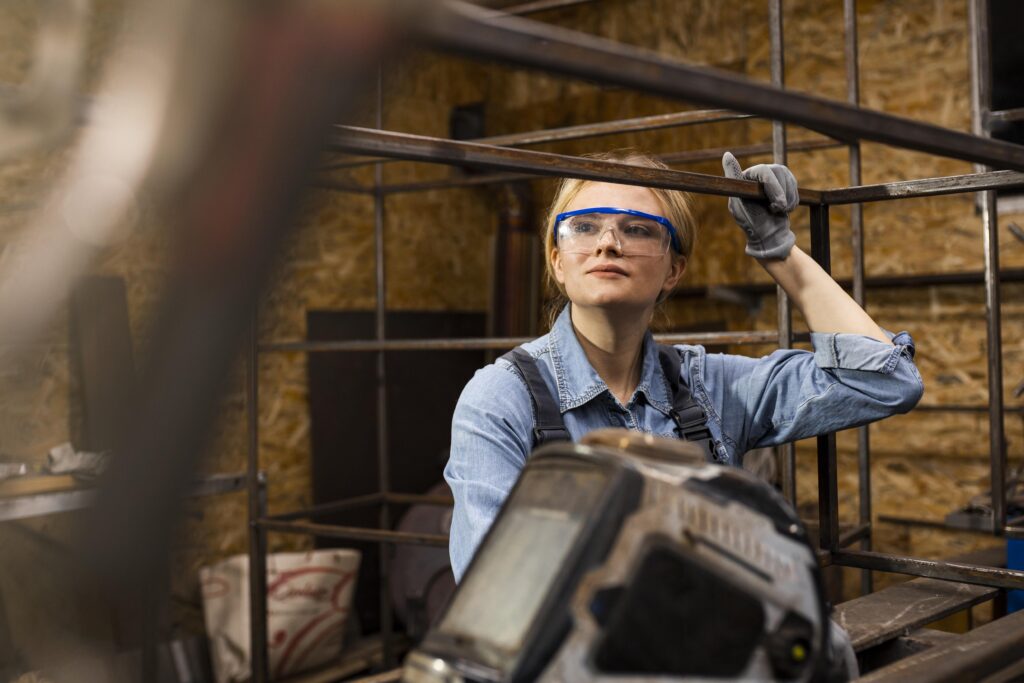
(675, 204)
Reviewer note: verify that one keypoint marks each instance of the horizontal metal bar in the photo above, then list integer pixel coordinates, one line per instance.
(337, 186)
(982, 654)
(1003, 116)
(587, 130)
(419, 499)
(352, 533)
(639, 124)
(497, 343)
(877, 282)
(673, 159)
(894, 611)
(367, 500)
(69, 500)
(985, 530)
(441, 150)
(40, 504)
(328, 508)
(764, 148)
(926, 187)
(467, 30)
(957, 408)
(947, 571)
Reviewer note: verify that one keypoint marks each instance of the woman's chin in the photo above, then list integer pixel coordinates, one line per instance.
(606, 299)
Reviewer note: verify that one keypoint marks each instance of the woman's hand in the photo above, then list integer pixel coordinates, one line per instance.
(823, 303)
(765, 223)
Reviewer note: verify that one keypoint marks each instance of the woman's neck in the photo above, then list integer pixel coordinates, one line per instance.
(613, 343)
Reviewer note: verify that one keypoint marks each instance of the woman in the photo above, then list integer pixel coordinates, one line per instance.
(615, 252)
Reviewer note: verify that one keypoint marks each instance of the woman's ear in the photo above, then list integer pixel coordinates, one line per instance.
(675, 273)
(556, 266)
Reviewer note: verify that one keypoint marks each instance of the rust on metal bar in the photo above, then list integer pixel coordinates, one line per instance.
(441, 150)
(466, 30)
(925, 187)
(353, 533)
(947, 571)
(497, 343)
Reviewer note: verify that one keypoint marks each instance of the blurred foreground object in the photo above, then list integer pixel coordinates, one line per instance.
(43, 108)
(211, 116)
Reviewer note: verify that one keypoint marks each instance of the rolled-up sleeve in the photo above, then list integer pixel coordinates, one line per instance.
(492, 418)
(847, 381)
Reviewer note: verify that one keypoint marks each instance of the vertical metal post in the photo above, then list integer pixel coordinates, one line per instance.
(257, 536)
(981, 102)
(383, 463)
(828, 484)
(786, 451)
(857, 240)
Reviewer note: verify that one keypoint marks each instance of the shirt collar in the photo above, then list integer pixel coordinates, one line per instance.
(579, 383)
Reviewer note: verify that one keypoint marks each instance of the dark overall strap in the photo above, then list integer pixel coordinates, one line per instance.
(548, 424)
(691, 421)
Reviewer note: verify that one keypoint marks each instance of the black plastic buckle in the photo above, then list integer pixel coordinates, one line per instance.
(542, 435)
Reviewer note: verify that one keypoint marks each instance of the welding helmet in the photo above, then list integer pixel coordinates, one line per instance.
(629, 557)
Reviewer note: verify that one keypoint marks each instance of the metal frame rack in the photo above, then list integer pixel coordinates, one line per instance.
(466, 31)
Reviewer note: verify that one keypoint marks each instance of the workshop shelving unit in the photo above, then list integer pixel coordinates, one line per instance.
(523, 43)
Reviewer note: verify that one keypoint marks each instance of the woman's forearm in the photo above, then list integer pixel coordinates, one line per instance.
(824, 304)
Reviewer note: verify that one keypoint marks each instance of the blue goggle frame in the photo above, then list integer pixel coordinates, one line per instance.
(632, 212)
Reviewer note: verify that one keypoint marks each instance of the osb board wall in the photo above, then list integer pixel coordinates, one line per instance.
(913, 63)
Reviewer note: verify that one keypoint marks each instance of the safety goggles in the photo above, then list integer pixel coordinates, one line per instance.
(635, 233)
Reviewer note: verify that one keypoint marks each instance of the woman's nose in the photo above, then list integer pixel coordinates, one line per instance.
(609, 241)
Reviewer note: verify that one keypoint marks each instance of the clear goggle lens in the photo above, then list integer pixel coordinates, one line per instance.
(633, 235)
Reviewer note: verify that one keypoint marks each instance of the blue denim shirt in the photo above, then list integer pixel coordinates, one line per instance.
(849, 380)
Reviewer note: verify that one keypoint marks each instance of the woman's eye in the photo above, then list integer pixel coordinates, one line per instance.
(639, 230)
(584, 228)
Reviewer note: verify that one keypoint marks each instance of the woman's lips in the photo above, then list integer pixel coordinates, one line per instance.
(607, 271)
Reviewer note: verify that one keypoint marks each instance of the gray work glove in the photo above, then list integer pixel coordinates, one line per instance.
(766, 224)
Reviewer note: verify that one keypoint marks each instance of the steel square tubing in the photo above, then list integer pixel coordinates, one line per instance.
(672, 158)
(981, 102)
(989, 653)
(1003, 116)
(925, 187)
(529, 162)
(996, 577)
(590, 130)
(367, 500)
(439, 150)
(256, 510)
(857, 243)
(466, 30)
(828, 486)
(784, 315)
(352, 533)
